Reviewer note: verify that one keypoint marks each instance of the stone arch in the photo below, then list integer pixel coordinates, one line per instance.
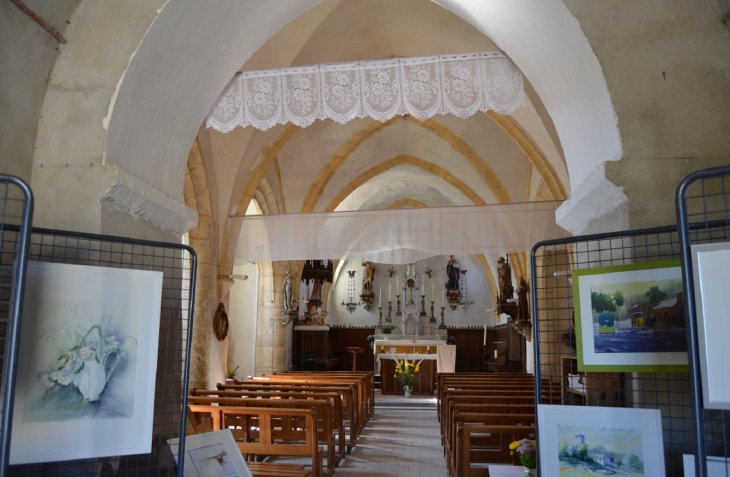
(403, 158)
(462, 147)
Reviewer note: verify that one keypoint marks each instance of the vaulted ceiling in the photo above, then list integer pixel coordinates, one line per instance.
(404, 162)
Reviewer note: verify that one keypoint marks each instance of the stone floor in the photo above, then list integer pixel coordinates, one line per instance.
(402, 439)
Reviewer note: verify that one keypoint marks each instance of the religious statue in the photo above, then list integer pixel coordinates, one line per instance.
(369, 277)
(220, 322)
(523, 312)
(316, 295)
(506, 290)
(286, 290)
(452, 271)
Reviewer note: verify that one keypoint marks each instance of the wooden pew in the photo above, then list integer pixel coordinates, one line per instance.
(470, 454)
(272, 469)
(278, 432)
(325, 432)
(369, 380)
(333, 398)
(360, 382)
(486, 444)
(347, 394)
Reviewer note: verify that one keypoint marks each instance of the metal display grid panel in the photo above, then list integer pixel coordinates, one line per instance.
(178, 265)
(16, 213)
(552, 300)
(703, 215)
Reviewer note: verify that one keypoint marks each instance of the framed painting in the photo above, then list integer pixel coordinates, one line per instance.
(590, 440)
(716, 466)
(86, 376)
(711, 271)
(630, 318)
(212, 454)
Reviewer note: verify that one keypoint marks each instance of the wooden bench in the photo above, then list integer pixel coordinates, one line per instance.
(261, 432)
(325, 432)
(333, 399)
(361, 384)
(346, 393)
(369, 381)
(470, 454)
(272, 469)
(486, 445)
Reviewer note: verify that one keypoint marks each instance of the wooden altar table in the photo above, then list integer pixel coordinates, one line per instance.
(427, 373)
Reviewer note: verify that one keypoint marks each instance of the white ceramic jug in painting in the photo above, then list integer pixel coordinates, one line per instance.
(92, 379)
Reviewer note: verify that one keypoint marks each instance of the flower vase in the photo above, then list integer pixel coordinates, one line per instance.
(407, 391)
(530, 472)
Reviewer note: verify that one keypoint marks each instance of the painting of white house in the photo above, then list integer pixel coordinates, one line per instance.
(599, 451)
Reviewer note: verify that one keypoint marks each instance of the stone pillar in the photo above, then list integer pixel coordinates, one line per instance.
(270, 332)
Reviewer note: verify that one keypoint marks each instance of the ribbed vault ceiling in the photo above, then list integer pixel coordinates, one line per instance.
(367, 165)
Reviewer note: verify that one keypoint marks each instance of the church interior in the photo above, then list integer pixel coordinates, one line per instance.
(338, 241)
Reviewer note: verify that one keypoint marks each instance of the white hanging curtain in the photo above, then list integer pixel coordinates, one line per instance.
(423, 87)
(393, 236)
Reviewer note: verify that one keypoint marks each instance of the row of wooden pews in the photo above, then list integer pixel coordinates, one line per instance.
(480, 414)
(318, 415)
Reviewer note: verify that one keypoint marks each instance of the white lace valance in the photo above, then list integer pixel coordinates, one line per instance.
(423, 87)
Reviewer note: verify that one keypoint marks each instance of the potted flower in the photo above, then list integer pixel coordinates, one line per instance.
(568, 337)
(231, 373)
(388, 328)
(407, 373)
(526, 450)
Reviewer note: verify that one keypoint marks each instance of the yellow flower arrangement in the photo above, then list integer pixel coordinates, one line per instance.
(407, 371)
(526, 450)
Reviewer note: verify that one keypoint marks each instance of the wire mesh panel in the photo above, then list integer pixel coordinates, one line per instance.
(178, 265)
(703, 215)
(16, 210)
(553, 264)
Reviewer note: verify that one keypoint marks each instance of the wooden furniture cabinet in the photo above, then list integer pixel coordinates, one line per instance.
(592, 389)
(511, 350)
(313, 340)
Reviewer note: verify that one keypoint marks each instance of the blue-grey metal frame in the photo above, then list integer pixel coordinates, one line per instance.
(552, 303)
(16, 211)
(178, 263)
(703, 208)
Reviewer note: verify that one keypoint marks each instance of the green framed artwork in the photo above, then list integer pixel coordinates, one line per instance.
(630, 318)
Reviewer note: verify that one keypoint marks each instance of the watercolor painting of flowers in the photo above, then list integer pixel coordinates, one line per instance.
(89, 341)
(83, 362)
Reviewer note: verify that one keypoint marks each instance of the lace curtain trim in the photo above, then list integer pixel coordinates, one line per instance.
(423, 87)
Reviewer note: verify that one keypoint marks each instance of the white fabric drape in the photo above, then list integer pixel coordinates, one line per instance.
(393, 236)
(423, 87)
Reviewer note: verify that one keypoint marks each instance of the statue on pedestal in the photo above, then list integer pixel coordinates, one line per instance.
(286, 290)
(452, 271)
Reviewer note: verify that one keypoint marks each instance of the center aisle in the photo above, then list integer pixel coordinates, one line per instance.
(398, 442)
(402, 439)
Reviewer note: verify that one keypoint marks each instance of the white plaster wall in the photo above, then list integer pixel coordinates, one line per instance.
(242, 320)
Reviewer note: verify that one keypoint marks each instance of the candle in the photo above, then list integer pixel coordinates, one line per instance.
(389, 284)
(431, 290)
(495, 354)
(380, 298)
(442, 298)
(485, 335)
(397, 284)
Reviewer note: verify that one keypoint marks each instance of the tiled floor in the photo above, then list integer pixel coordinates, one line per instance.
(399, 441)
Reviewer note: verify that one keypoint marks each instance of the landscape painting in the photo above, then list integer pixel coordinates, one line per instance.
(584, 450)
(630, 318)
(599, 441)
